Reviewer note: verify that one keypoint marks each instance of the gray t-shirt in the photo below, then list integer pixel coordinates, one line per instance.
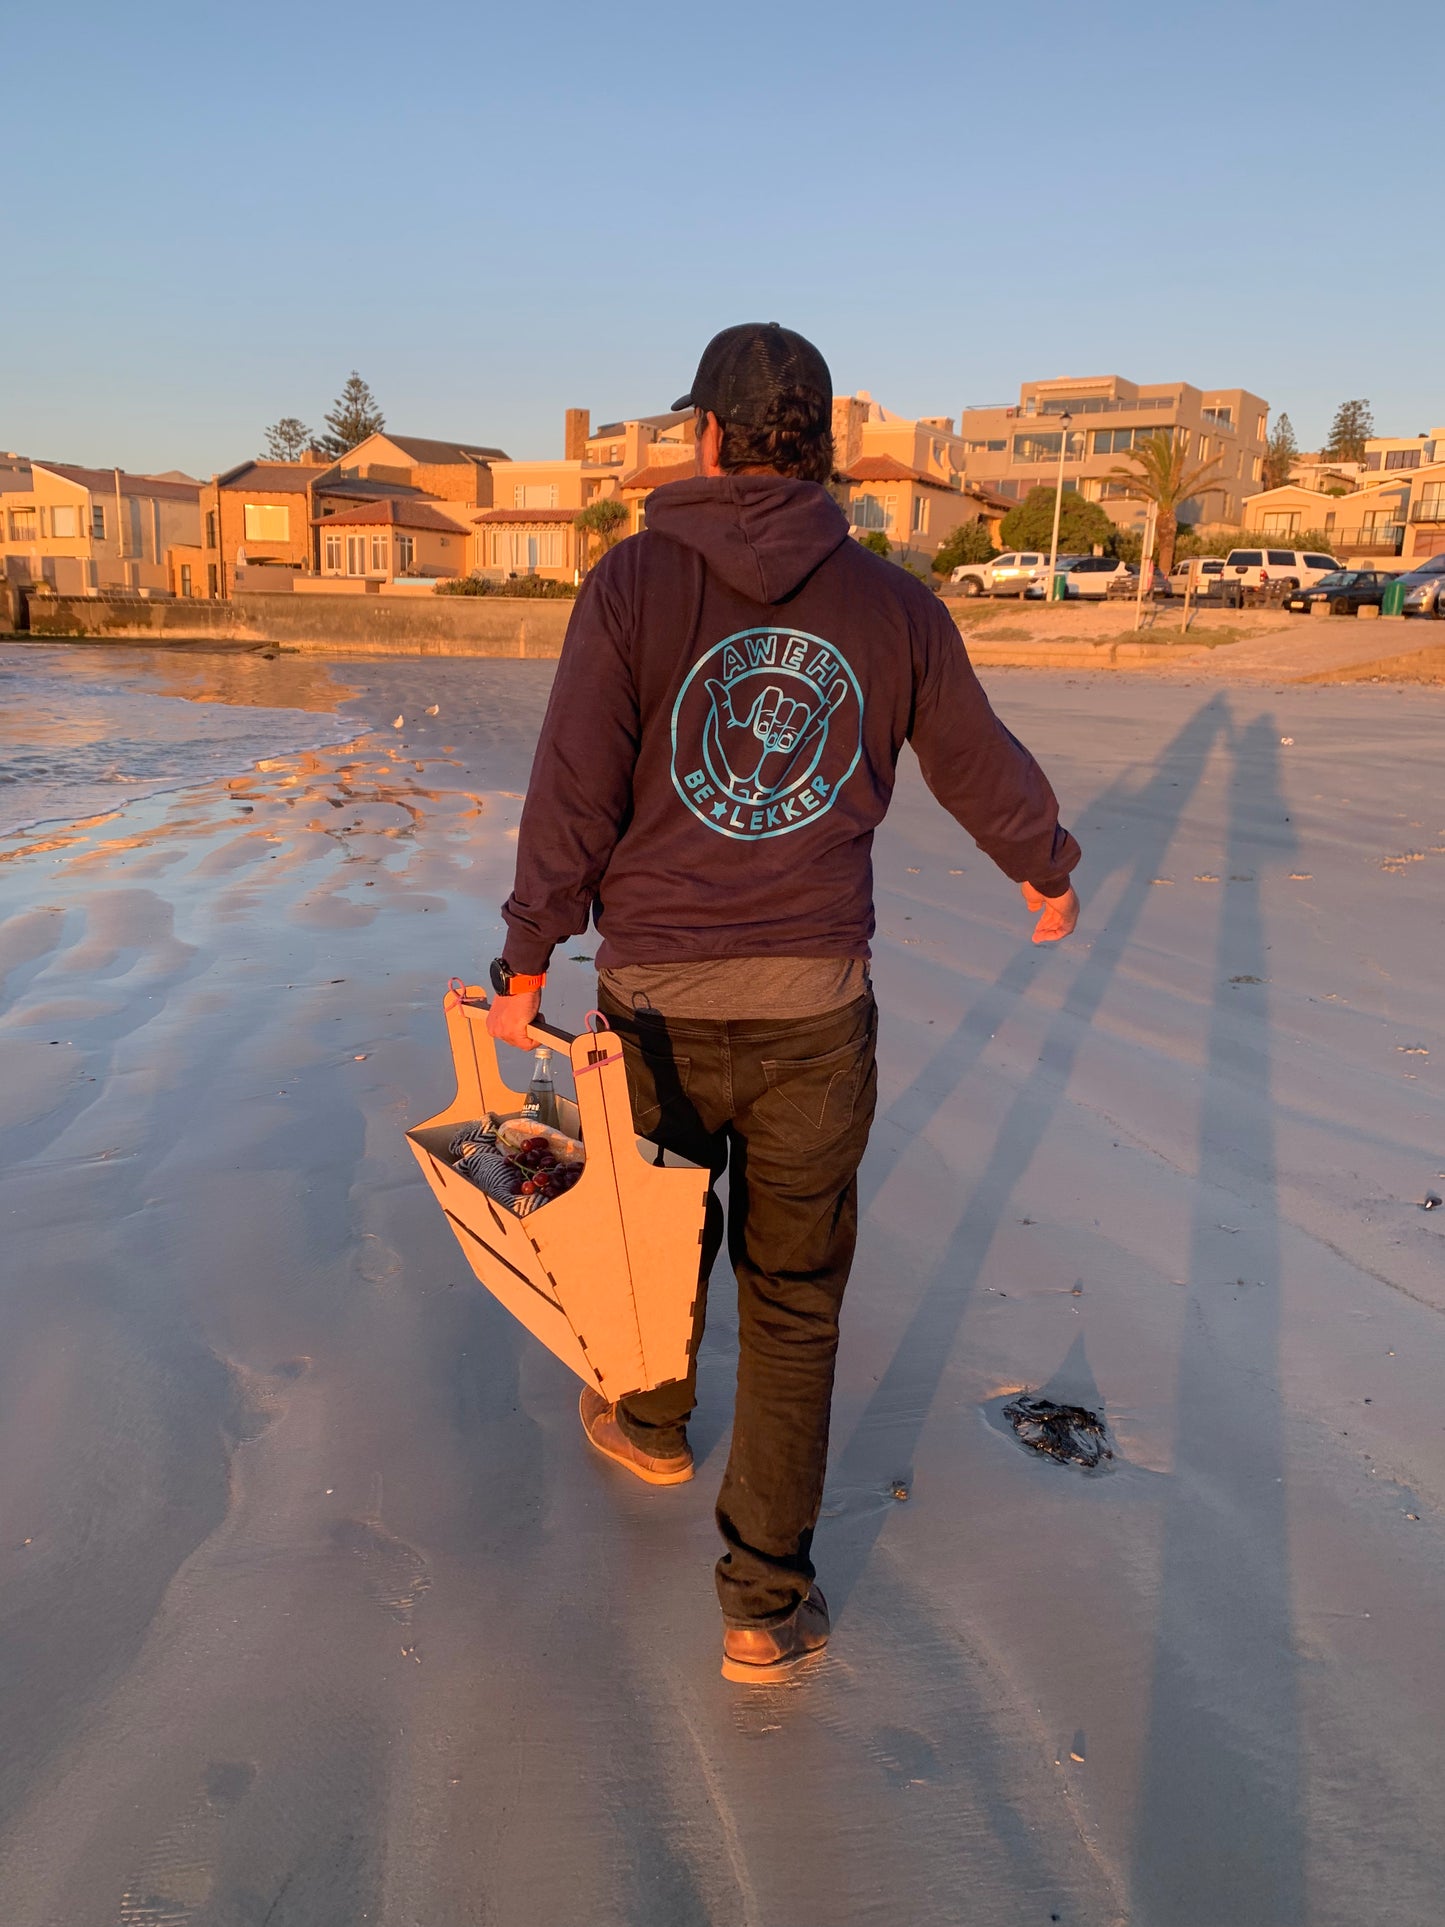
(727, 988)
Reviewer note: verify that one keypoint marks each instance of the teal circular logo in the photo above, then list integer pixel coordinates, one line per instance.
(766, 731)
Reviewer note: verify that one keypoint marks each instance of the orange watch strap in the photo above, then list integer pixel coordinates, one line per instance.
(519, 986)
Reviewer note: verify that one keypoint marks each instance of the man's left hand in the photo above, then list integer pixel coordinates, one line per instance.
(508, 1018)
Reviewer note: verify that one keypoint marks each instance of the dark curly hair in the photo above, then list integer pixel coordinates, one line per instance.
(799, 441)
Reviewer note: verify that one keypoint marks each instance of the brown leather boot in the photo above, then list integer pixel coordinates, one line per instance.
(599, 1422)
(757, 1654)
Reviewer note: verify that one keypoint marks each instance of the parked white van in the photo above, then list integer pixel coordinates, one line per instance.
(1291, 567)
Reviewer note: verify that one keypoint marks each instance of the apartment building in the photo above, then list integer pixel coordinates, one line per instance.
(84, 530)
(1401, 518)
(1011, 448)
(1389, 454)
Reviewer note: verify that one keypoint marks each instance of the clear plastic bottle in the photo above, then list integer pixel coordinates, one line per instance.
(541, 1101)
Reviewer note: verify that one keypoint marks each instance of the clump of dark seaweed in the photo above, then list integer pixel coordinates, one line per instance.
(1069, 1433)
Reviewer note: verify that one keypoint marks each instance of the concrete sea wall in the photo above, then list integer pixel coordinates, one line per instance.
(322, 625)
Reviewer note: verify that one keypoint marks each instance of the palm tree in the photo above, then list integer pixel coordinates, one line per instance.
(1160, 473)
(605, 520)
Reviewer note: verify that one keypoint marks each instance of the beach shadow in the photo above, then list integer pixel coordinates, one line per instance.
(1220, 1830)
(885, 1438)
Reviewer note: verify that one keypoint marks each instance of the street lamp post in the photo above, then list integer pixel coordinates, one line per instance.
(1064, 423)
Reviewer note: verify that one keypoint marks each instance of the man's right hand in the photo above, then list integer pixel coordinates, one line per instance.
(1057, 915)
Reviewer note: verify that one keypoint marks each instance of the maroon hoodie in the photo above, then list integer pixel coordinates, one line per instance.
(723, 736)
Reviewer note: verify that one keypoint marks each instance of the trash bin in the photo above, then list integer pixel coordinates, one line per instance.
(1392, 603)
(1058, 588)
(606, 1274)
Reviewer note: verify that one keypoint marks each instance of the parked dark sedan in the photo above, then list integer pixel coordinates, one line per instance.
(1346, 591)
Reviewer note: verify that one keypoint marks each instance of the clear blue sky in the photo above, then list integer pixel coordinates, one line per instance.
(213, 212)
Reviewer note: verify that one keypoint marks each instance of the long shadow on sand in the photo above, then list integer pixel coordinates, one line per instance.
(886, 1435)
(1219, 1830)
(1219, 1834)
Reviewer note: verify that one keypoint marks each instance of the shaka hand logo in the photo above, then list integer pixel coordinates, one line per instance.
(766, 730)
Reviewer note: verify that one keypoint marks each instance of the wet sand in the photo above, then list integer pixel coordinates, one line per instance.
(315, 1609)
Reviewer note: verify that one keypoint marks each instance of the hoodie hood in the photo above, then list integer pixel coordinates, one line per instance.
(762, 534)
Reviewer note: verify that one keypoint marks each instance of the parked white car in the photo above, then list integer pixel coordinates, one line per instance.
(1084, 575)
(1292, 567)
(1006, 575)
(1210, 567)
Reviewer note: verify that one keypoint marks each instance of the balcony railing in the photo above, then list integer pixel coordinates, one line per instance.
(1428, 510)
(1100, 405)
(1379, 539)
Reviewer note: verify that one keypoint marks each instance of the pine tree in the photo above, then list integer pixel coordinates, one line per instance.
(1281, 452)
(287, 440)
(1351, 428)
(354, 417)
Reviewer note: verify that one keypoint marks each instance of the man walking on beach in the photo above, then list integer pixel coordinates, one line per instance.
(720, 745)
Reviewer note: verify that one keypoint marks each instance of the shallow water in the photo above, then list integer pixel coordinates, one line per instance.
(80, 736)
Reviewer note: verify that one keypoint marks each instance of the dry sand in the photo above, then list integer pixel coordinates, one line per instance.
(316, 1610)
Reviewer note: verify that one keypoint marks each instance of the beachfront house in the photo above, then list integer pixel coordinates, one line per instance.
(85, 531)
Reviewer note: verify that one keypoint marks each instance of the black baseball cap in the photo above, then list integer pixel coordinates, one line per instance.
(744, 370)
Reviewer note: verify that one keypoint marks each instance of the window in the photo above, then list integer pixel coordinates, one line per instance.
(1256, 469)
(1281, 558)
(212, 584)
(1402, 458)
(1225, 415)
(1113, 492)
(986, 448)
(1431, 505)
(267, 522)
(210, 528)
(356, 555)
(867, 512)
(378, 553)
(1280, 522)
(405, 553)
(332, 550)
(1372, 458)
(97, 521)
(1118, 441)
(65, 522)
(920, 515)
(24, 526)
(1319, 561)
(1037, 448)
(535, 495)
(522, 551)
(185, 578)
(1246, 558)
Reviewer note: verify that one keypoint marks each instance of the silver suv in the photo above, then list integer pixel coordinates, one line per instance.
(1425, 588)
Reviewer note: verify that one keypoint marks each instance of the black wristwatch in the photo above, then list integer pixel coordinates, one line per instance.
(512, 983)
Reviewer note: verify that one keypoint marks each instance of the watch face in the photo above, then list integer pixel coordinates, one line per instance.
(501, 976)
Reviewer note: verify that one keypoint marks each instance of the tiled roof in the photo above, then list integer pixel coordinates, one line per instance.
(648, 421)
(656, 474)
(527, 515)
(364, 488)
(887, 468)
(274, 478)
(423, 448)
(395, 512)
(103, 480)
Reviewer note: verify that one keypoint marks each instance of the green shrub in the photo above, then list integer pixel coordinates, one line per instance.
(534, 588)
(877, 541)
